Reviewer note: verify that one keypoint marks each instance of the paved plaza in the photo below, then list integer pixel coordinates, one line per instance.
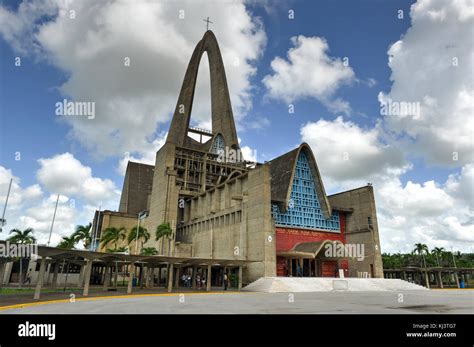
(404, 302)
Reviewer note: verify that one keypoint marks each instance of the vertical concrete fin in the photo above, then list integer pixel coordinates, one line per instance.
(222, 116)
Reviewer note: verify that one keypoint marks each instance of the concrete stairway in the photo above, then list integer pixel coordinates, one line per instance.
(328, 284)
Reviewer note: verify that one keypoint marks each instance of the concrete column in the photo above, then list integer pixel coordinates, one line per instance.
(176, 278)
(106, 277)
(151, 277)
(456, 279)
(404, 275)
(170, 278)
(80, 281)
(39, 282)
(208, 282)
(2, 273)
(240, 278)
(130, 279)
(194, 276)
(142, 275)
(54, 283)
(439, 278)
(291, 267)
(87, 277)
(116, 276)
(309, 262)
(427, 280)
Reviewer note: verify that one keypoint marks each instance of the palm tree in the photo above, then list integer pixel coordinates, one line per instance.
(118, 250)
(421, 249)
(149, 251)
(112, 235)
(67, 242)
(24, 237)
(163, 230)
(83, 233)
(438, 251)
(143, 235)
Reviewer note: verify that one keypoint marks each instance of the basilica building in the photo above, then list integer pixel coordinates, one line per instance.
(275, 216)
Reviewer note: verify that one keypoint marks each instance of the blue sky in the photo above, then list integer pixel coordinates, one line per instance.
(400, 155)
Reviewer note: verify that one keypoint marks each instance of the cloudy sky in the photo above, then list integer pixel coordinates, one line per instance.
(313, 71)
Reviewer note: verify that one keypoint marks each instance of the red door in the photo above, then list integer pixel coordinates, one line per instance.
(328, 268)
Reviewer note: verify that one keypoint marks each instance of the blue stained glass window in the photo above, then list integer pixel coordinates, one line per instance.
(304, 209)
(218, 145)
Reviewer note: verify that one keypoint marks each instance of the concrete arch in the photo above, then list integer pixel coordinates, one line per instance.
(222, 116)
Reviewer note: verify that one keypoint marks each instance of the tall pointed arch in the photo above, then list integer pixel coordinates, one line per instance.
(222, 116)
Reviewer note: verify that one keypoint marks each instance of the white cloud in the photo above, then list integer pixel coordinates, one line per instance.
(64, 174)
(429, 212)
(131, 102)
(309, 72)
(432, 64)
(345, 151)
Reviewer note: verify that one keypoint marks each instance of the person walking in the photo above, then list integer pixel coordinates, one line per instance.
(225, 281)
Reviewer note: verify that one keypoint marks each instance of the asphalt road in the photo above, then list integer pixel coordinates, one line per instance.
(408, 302)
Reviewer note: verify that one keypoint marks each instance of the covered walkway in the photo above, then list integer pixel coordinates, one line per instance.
(139, 270)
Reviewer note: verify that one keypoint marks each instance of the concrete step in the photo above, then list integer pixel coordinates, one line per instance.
(328, 284)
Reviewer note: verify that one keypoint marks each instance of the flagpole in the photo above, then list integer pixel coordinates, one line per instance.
(52, 222)
(3, 221)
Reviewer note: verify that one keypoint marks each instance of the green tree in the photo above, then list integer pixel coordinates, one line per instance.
(438, 252)
(421, 249)
(163, 230)
(24, 237)
(67, 242)
(142, 237)
(118, 250)
(149, 251)
(83, 233)
(112, 235)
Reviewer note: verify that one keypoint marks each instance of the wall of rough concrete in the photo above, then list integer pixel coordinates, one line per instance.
(362, 202)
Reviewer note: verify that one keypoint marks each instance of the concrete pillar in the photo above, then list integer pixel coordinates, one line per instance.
(309, 263)
(151, 277)
(194, 276)
(130, 279)
(116, 276)
(404, 275)
(170, 278)
(240, 278)
(39, 282)
(106, 277)
(80, 281)
(2, 273)
(427, 280)
(456, 279)
(142, 275)
(54, 283)
(176, 278)
(208, 281)
(439, 279)
(87, 277)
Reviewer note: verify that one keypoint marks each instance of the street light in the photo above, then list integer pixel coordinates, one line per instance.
(141, 215)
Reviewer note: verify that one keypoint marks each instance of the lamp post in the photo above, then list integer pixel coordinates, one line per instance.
(52, 222)
(141, 215)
